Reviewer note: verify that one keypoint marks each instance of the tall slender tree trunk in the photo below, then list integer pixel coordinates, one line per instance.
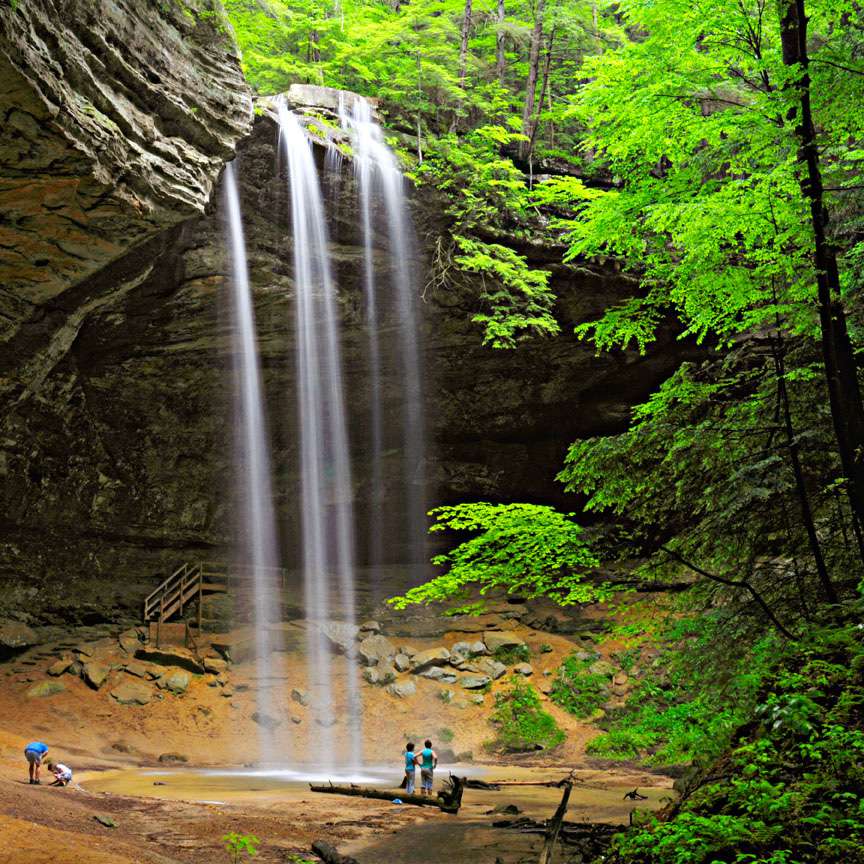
(847, 410)
(463, 48)
(533, 73)
(500, 59)
(535, 119)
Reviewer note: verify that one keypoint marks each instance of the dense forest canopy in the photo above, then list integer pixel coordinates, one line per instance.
(713, 151)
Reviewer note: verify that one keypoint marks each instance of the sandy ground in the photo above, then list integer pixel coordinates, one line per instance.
(106, 743)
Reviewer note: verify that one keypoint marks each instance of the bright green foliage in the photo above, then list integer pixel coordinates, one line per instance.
(694, 694)
(510, 656)
(524, 549)
(577, 689)
(791, 789)
(240, 846)
(522, 724)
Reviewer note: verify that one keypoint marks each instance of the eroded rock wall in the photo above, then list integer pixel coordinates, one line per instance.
(115, 463)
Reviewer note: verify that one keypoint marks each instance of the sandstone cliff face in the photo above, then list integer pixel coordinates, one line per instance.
(117, 118)
(115, 457)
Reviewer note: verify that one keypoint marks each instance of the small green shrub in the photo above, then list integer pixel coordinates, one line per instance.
(240, 845)
(577, 689)
(510, 656)
(522, 724)
(446, 735)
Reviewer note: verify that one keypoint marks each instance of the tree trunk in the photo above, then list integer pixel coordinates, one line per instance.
(535, 119)
(500, 59)
(463, 48)
(533, 72)
(847, 411)
(554, 828)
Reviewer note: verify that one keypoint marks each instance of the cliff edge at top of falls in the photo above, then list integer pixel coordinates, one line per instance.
(117, 119)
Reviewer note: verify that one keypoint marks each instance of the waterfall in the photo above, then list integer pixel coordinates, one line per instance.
(326, 492)
(379, 177)
(256, 523)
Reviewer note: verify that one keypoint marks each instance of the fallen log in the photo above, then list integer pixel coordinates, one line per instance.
(550, 783)
(481, 784)
(329, 855)
(448, 800)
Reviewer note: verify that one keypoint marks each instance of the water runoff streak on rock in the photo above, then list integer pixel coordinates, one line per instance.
(325, 471)
(256, 548)
(379, 177)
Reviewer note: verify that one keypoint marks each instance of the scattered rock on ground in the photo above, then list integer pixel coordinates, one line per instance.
(95, 673)
(171, 656)
(430, 657)
(132, 693)
(14, 634)
(402, 689)
(493, 668)
(375, 649)
(475, 682)
(402, 662)
(215, 665)
(525, 669)
(301, 697)
(45, 688)
(60, 666)
(107, 821)
(436, 673)
(177, 682)
(504, 639)
(265, 720)
(368, 627)
(477, 648)
(139, 670)
(602, 667)
(172, 758)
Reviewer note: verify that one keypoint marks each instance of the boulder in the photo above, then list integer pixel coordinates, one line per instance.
(95, 673)
(169, 655)
(375, 649)
(266, 721)
(475, 682)
(14, 634)
(602, 667)
(60, 666)
(132, 693)
(402, 689)
(461, 648)
(503, 640)
(493, 668)
(139, 670)
(176, 682)
(129, 641)
(525, 669)
(477, 648)
(620, 679)
(172, 758)
(341, 636)
(402, 662)
(45, 688)
(369, 627)
(431, 657)
(215, 665)
(301, 697)
(478, 698)
(326, 722)
(436, 673)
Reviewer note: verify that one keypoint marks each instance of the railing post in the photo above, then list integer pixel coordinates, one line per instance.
(200, 595)
(161, 615)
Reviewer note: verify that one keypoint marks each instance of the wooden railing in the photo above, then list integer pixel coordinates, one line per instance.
(189, 582)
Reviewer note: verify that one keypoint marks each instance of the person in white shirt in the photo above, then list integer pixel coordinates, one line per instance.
(62, 773)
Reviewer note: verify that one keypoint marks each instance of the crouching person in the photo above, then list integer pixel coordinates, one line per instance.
(62, 773)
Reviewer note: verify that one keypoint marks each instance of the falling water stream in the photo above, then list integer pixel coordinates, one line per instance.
(326, 491)
(379, 178)
(256, 522)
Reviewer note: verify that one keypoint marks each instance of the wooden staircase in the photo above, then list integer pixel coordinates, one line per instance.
(189, 583)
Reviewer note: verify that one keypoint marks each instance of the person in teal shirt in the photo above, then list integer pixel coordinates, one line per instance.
(428, 759)
(410, 768)
(34, 753)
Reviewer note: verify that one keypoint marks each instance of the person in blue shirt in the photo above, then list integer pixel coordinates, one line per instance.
(428, 760)
(34, 753)
(410, 768)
